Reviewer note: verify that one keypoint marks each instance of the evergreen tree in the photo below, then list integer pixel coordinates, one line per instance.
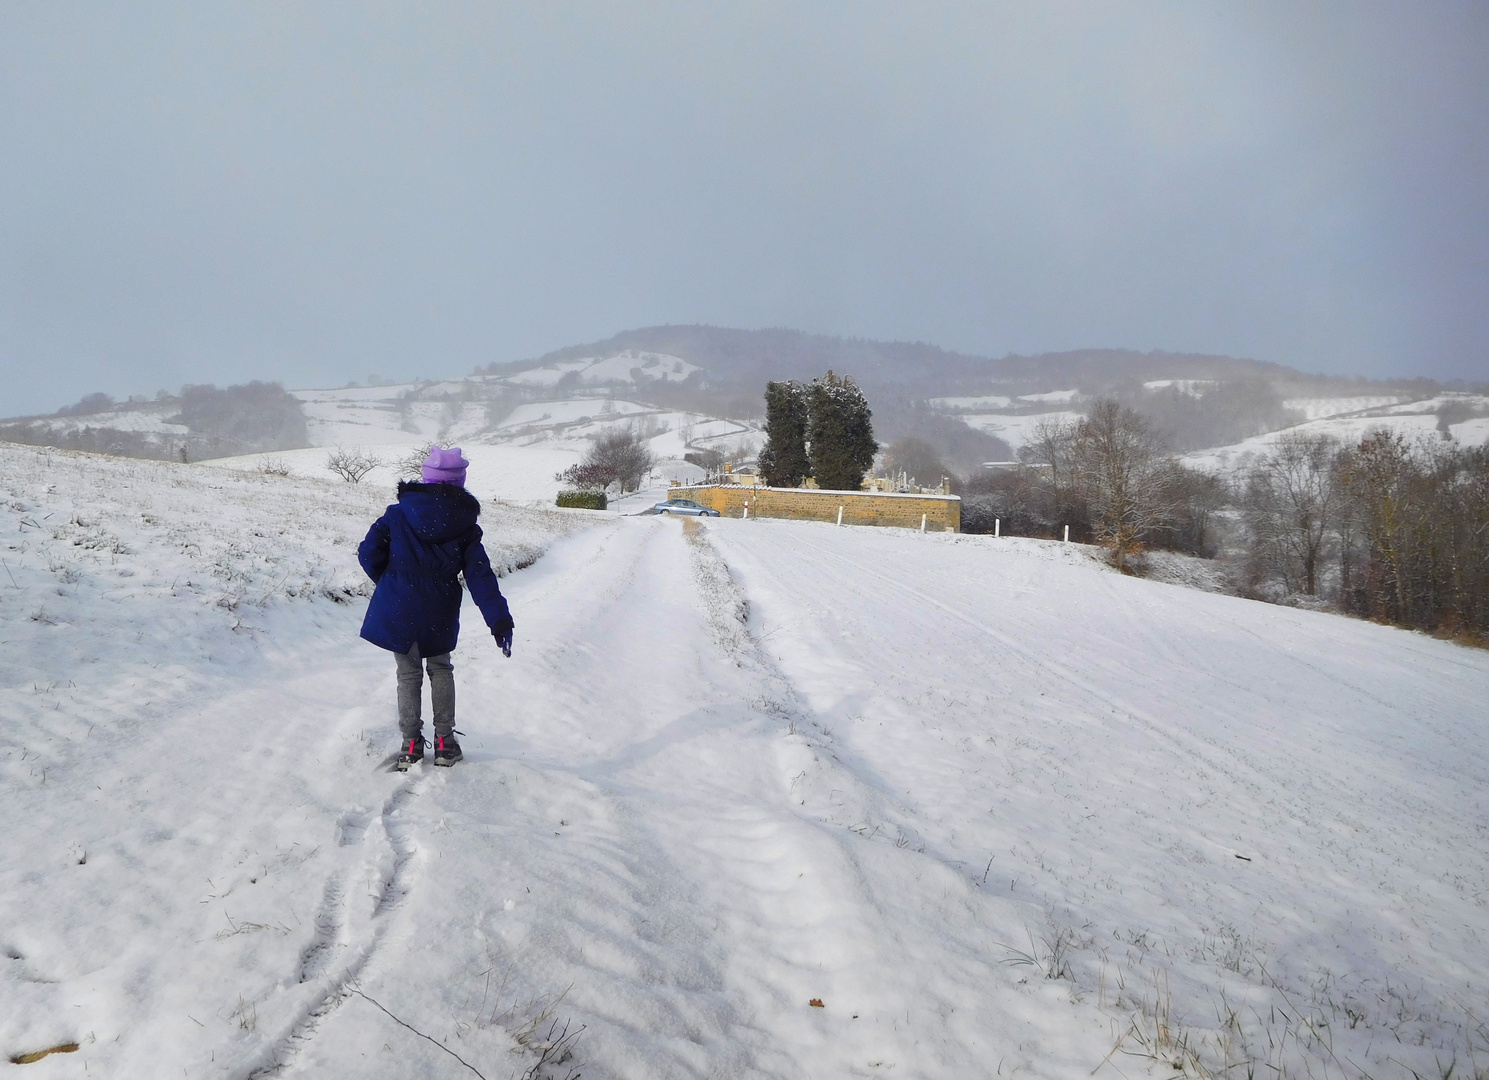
(840, 432)
(784, 462)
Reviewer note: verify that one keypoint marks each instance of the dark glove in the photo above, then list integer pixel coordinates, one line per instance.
(502, 631)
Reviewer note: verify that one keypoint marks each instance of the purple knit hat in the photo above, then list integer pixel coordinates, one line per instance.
(444, 466)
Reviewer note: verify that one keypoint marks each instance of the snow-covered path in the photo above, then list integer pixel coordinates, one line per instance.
(982, 800)
(648, 825)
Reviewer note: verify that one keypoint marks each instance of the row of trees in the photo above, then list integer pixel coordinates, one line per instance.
(1385, 529)
(1106, 476)
(822, 429)
(219, 422)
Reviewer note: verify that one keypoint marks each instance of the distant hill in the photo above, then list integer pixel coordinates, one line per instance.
(711, 380)
(738, 359)
(200, 422)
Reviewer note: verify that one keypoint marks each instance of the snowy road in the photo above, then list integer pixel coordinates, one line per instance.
(735, 767)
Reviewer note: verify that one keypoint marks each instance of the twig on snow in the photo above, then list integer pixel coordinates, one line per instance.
(416, 1031)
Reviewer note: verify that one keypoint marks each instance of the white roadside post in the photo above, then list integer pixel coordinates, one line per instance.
(840, 515)
(747, 510)
(1067, 534)
(922, 523)
(997, 527)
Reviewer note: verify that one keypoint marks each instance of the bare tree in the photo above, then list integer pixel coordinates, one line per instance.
(351, 465)
(411, 465)
(1291, 503)
(1050, 446)
(1123, 473)
(619, 456)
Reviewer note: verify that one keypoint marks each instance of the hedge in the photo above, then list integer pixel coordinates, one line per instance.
(582, 500)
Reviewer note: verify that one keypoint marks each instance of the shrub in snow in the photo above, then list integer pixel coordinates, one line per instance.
(614, 457)
(351, 465)
(582, 500)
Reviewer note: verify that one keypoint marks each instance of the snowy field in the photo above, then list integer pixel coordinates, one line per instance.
(1349, 430)
(997, 809)
(516, 457)
(505, 471)
(627, 366)
(1321, 408)
(1017, 430)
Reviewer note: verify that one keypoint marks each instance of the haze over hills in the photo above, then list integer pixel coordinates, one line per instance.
(746, 359)
(698, 387)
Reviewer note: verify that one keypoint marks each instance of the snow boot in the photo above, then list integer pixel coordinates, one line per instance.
(446, 750)
(410, 753)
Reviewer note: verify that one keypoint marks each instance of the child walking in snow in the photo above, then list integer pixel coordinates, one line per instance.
(416, 553)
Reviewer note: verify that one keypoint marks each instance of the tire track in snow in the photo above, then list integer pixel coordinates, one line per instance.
(346, 940)
(1058, 673)
(830, 905)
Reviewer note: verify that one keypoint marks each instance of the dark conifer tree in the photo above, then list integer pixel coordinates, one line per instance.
(783, 461)
(840, 433)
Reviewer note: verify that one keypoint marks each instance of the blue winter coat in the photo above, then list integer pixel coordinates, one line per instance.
(416, 552)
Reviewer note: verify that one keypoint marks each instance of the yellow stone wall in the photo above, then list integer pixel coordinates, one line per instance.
(943, 513)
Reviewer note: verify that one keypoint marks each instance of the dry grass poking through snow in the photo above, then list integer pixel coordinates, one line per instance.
(85, 516)
(114, 571)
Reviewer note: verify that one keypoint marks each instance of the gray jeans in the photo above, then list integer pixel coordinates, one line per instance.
(411, 692)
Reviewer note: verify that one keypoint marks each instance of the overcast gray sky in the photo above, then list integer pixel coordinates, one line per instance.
(315, 192)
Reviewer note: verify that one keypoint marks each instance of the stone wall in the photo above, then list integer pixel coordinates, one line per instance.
(943, 513)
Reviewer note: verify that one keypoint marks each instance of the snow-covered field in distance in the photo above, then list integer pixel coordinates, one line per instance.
(507, 471)
(1016, 430)
(997, 401)
(1348, 430)
(514, 456)
(998, 808)
(1348, 418)
(633, 366)
(1321, 408)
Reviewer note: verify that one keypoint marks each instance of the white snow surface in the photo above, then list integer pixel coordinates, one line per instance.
(999, 809)
(1314, 408)
(1056, 397)
(1193, 387)
(505, 471)
(627, 366)
(1349, 430)
(1017, 430)
(516, 458)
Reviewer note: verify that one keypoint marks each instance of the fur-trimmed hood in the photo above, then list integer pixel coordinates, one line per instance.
(438, 512)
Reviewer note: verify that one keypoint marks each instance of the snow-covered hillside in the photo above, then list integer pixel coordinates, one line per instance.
(751, 798)
(516, 447)
(1017, 429)
(1347, 417)
(1350, 419)
(634, 366)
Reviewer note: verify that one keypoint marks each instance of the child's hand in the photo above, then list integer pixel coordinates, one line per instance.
(503, 634)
